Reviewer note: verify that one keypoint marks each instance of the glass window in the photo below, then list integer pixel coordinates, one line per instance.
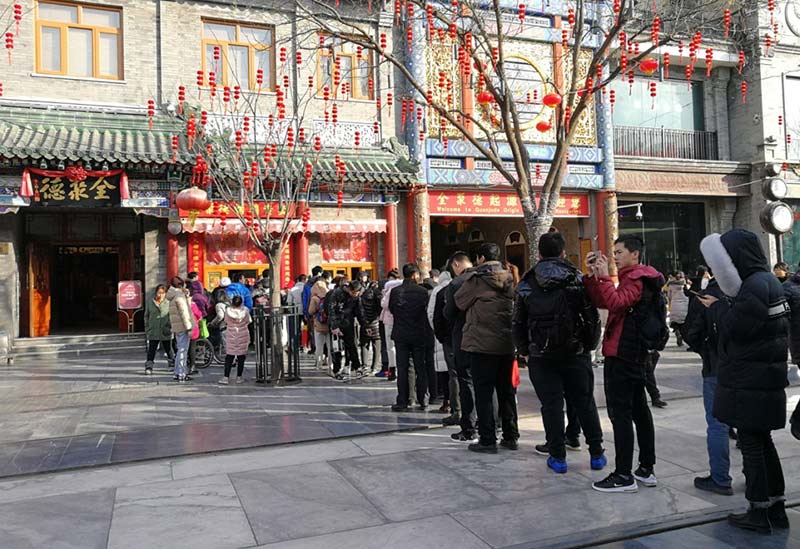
(355, 69)
(677, 106)
(671, 232)
(77, 40)
(243, 50)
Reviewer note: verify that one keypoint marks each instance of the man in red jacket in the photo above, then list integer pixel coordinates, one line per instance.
(625, 359)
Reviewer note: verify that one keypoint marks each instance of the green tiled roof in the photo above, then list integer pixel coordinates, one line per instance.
(49, 134)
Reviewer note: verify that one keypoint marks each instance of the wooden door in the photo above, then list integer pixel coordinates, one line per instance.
(38, 298)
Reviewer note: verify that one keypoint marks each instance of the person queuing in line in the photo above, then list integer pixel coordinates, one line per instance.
(440, 362)
(368, 312)
(182, 323)
(753, 329)
(387, 319)
(487, 298)
(158, 329)
(434, 362)
(316, 272)
(408, 305)
(791, 290)
(700, 333)
(198, 315)
(461, 265)
(260, 295)
(626, 354)
(342, 323)
(294, 300)
(200, 296)
(237, 339)
(238, 287)
(781, 271)
(555, 327)
(317, 311)
(443, 331)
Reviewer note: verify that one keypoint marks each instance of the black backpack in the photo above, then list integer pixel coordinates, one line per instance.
(553, 324)
(650, 315)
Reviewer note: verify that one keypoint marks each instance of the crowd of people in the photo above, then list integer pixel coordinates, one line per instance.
(458, 337)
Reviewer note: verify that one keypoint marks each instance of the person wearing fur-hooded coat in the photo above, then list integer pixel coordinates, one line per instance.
(753, 329)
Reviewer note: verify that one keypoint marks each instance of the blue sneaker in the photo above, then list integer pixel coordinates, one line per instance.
(599, 462)
(557, 465)
(382, 373)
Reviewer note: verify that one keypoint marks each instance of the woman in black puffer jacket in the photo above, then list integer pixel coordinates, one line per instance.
(791, 289)
(753, 329)
(368, 311)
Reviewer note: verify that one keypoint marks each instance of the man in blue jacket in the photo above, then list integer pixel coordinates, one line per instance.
(238, 287)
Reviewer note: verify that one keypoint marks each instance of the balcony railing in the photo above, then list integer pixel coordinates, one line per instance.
(664, 143)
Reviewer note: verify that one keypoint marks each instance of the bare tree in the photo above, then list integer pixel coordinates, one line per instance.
(600, 41)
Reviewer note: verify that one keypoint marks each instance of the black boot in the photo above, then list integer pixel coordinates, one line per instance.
(777, 515)
(755, 519)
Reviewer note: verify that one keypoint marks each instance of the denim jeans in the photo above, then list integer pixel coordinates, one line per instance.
(183, 339)
(719, 449)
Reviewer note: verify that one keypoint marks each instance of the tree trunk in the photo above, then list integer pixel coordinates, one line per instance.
(277, 349)
(422, 229)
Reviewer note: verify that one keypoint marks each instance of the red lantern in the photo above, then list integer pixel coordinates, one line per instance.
(744, 92)
(543, 126)
(551, 100)
(1, 89)
(571, 19)
(389, 99)
(612, 98)
(9, 45)
(726, 20)
(788, 139)
(17, 16)
(484, 98)
(709, 61)
(565, 39)
(680, 52)
(194, 200)
(200, 80)
(151, 112)
(740, 66)
(383, 40)
(538, 172)
(259, 77)
(655, 31)
(666, 65)
(567, 117)
(357, 139)
(282, 55)
(652, 86)
(648, 65)
(522, 10)
(298, 58)
(767, 43)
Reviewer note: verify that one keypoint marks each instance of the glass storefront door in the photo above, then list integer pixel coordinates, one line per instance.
(671, 231)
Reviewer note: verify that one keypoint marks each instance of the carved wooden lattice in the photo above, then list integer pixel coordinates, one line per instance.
(586, 133)
(441, 60)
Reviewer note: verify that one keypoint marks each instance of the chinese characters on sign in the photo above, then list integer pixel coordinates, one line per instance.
(55, 189)
(488, 204)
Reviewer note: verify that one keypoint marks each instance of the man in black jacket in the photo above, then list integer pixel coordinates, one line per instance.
(461, 266)
(342, 322)
(369, 309)
(700, 333)
(555, 327)
(753, 328)
(408, 304)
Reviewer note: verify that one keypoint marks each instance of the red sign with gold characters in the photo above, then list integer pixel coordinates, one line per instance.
(494, 204)
(197, 254)
(129, 295)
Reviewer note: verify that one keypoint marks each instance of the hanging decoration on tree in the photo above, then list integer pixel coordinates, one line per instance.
(194, 200)
(648, 65)
(744, 92)
(709, 61)
(665, 63)
(9, 45)
(740, 66)
(17, 17)
(726, 21)
(151, 112)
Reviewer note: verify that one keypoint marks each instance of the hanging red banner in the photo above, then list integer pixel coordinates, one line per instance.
(196, 254)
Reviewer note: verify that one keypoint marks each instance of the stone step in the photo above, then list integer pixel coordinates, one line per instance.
(76, 345)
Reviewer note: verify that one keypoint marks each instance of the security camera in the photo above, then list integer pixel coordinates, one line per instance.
(639, 214)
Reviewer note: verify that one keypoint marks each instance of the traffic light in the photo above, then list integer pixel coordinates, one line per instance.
(777, 217)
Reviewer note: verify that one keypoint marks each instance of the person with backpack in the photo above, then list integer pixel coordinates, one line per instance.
(700, 333)
(487, 298)
(637, 326)
(753, 331)
(555, 327)
(316, 273)
(317, 312)
(342, 323)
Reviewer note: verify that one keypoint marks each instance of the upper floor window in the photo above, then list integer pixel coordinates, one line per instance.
(78, 40)
(355, 68)
(241, 50)
(678, 106)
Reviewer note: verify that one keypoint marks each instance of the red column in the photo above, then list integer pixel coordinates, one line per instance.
(390, 237)
(411, 235)
(172, 256)
(300, 254)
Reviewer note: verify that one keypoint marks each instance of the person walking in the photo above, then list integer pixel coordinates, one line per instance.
(753, 329)
(317, 311)
(237, 339)
(678, 304)
(158, 329)
(487, 298)
(461, 265)
(368, 312)
(633, 331)
(700, 333)
(408, 304)
(182, 323)
(555, 328)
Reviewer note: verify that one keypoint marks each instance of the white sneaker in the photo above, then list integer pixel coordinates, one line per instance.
(646, 477)
(239, 380)
(223, 380)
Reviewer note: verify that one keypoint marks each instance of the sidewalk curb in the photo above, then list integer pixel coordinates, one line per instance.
(629, 531)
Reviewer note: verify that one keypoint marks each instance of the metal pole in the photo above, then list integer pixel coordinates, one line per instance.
(779, 247)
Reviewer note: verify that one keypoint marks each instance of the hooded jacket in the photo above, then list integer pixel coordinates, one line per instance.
(753, 328)
(408, 304)
(237, 336)
(553, 275)
(700, 331)
(678, 301)
(368, 311)
(237, 288)
(200, 298)
(791, 290)
(180, 312)
(621, 339)
(487, 297)
(318, 292)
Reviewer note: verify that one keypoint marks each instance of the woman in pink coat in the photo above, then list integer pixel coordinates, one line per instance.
(237, 338)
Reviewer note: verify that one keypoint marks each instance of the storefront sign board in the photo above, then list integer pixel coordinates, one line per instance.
(489, 204)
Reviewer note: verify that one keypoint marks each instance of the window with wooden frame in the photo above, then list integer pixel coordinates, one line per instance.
(79, 40)
(243, 49)
(355, 68)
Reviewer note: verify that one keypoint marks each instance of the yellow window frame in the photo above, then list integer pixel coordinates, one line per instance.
(355, 89)
(64, 44)
(222, 79)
